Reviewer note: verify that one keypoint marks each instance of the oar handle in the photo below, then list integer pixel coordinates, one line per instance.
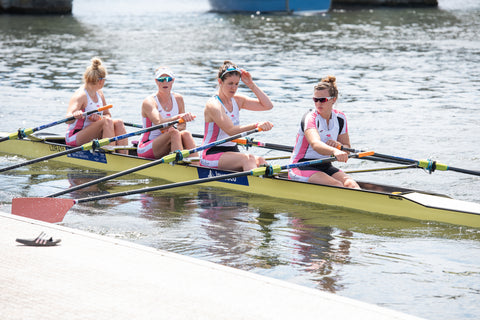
(72, 118)
(139, 132)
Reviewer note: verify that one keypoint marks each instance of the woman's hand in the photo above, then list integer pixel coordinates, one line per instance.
(187, 116)
(264, 125)
(246, 78)
(341, 156)
(94, 117)
(335, 144)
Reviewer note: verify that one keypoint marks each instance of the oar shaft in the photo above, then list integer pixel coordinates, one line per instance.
(256, 172)
(426, 164)
(25, 132)
(136, 133)
(50, 156)
(473, 172)
(90, 145)
(166, 159)
(166, 186)
(134, 125)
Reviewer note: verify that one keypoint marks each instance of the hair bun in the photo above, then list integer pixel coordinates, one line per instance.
(96, 62)
(330, 79)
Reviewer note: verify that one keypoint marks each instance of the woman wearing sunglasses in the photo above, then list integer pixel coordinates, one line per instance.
(164, 106)
(90, 97)
(222, 120)
(322, 132)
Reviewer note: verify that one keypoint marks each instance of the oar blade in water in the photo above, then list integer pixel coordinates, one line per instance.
(50, 210)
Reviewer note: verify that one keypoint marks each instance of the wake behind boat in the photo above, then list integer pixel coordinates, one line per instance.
(375, 198)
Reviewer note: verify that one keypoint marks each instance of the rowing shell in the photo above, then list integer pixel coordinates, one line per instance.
(375, 198)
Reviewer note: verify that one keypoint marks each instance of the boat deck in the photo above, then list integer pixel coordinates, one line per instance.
(88, 276)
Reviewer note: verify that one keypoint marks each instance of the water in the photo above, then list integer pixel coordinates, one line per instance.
(409, 84)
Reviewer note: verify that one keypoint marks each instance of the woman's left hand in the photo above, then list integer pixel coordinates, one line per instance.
(264, 125)
(94, 117)
(335, 144)
(246, 78)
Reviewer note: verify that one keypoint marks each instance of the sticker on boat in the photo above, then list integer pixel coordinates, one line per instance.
(89, 156)
(208, 173)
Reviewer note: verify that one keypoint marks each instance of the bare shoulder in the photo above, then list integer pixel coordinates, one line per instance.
(177, 95)
(78, 99)
(240, 99)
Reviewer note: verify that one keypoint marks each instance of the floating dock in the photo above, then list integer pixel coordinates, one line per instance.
(89, 276)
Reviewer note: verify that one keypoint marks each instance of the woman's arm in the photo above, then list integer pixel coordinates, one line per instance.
(262, 103)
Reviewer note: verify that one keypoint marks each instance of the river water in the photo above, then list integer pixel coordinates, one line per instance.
(409, 84)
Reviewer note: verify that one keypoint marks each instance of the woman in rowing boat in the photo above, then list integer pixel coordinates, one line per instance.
(322, 133)
(90, 97)
(222, 120)
(165, 106)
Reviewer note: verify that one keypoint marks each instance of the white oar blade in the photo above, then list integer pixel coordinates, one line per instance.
(50, 210)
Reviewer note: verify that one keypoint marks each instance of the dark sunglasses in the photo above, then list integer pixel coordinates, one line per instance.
(162, 79)
(322, 100)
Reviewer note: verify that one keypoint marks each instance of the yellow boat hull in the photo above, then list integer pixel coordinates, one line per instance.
(373, 198)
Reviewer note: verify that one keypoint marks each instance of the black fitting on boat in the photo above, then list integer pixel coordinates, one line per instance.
(249, 142)
(95, 145)
(178, 155)
(21, 134)
(269, 171)
(432, 165)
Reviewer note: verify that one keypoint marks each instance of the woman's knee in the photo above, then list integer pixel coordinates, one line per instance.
(107, 122)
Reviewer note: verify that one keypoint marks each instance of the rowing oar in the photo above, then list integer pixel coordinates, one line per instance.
(176, 156)
(429, 165)
(92, 145)
(134, 125)
(22, 133)
(53, 210)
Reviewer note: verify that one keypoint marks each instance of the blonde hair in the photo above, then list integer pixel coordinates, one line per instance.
(95, 72)
(328, 83)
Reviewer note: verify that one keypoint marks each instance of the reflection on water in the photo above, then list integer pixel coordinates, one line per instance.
(407, 80)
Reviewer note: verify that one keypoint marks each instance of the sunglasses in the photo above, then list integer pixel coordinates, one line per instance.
(163, 79)
(322, 100)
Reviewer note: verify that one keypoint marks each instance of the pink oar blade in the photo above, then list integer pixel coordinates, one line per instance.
(51, 210)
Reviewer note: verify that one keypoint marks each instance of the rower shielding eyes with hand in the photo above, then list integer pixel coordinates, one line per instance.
(322, 133)
(222, 119)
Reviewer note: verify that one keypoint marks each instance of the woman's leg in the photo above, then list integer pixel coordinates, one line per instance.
(119, 129)
(346, 180)
(237, 161)
(323, 178)
(93, 131)
(188, 142)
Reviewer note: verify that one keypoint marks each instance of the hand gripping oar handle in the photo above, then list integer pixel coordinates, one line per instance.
(22, 133)
(179, 155)
(92, 145)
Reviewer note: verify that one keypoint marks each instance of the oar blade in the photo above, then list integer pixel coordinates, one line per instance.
(50, 210)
